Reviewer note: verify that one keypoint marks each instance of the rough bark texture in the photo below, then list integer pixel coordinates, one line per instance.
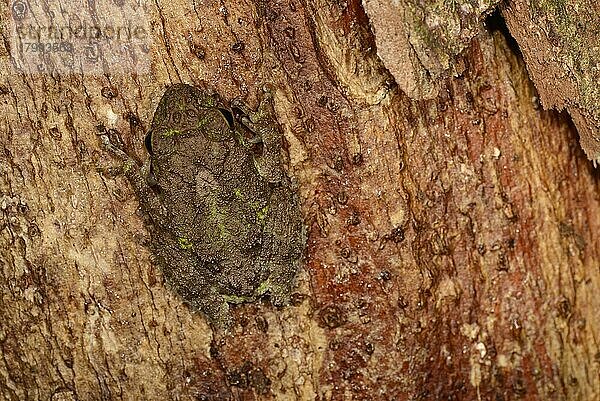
(418, 41)
(560, 44)
(453, 249)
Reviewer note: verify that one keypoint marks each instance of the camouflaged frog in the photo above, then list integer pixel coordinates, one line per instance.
(226, 224)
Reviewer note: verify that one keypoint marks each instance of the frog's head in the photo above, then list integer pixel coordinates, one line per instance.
(187, 111)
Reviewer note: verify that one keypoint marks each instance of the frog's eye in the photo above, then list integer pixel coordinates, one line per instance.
(148, 142)
(228, 116)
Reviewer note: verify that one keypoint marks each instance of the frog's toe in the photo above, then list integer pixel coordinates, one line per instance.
(280, 294)
(247, 122)
(108, 144)
(239, 105)
(280, 299)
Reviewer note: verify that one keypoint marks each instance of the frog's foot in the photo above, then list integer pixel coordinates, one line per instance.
(217, 310)
(128, 163)
(241, 107)
(280, 294)
(114, 149)
(146, 171)
(266, 101)
(279, 290)
(256, 120)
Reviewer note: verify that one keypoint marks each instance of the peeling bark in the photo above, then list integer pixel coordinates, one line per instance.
(560, 44)
(452, 248)
(418, 41)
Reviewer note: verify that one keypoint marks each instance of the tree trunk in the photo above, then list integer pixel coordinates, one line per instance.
(452, 251)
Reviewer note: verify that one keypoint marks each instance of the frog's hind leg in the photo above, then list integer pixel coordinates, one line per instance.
(283, 244)
(188, 276)
(279, 284)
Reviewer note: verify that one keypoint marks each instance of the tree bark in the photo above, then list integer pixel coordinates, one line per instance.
(452, 251)
(559, 43)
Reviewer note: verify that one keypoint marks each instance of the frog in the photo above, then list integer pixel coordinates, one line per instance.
(225, 220)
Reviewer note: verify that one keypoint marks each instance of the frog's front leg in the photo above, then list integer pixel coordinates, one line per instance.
(263, 124)
(149, 199)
